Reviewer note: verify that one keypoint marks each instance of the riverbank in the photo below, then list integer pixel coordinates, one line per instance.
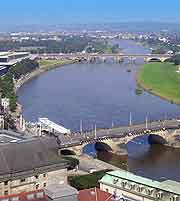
(161, 79)
(44, 66)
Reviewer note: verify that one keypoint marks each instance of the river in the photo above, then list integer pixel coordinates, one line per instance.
(105, 94)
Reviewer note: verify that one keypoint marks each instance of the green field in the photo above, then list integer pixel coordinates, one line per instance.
(161, 79)
(47, 63)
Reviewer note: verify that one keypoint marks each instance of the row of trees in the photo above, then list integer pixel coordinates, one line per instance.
(102, 47)
(7, 90)
(66, 45)
(23, 67)
(7, 82)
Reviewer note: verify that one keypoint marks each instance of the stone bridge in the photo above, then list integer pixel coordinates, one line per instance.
(90, 57)
(114, 140)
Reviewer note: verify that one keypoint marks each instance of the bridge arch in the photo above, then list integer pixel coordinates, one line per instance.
(67, 152)
(154, 59)
(93, 147)
(152, 138)
(103, 146)
(156, 139)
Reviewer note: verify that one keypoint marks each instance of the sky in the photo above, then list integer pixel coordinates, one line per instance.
(87, 11)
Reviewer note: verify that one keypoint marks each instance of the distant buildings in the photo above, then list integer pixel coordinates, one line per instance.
(135, 187)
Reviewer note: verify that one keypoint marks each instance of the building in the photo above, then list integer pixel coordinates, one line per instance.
(5, 103)
(139, 188)
(61, 193)
(94, 194)
(1, 120)
(3, 70)
(30, 164)
(37, 195)
(11, 58)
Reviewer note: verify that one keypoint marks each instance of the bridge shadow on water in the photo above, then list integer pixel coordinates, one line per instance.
(143, 142)
(93, 148)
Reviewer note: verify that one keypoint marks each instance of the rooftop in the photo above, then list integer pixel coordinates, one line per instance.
(29, 157)
(53, 125)
(94, 194)
(37, 195)
(8, 54)
(58, 191)
(168, 185)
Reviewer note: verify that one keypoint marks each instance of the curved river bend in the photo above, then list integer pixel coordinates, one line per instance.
(103, 93)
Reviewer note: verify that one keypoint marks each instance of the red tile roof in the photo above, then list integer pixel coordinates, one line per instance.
(37, 195)
(94, 194)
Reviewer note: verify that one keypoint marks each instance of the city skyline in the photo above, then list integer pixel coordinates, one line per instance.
(74, 12)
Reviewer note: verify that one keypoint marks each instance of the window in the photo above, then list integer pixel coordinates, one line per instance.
(44, 184)
(40, 195)
(37, 186)
(115, 181)
(139, 189)
(37, 176)
(5, 192)
(30, 197)
(107, 190)
(22, 180)
(14, 199)
(6, 183)
(44, 175)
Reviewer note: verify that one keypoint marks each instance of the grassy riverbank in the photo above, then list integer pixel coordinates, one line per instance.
(48, 64)
(161, 79)
(44, 65)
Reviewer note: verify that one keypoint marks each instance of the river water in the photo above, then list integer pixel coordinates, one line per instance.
(105, 94)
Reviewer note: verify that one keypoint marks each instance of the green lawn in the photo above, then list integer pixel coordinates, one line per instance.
(161, 79)
(47, 63)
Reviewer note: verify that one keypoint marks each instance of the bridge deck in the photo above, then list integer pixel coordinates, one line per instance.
(101, 134)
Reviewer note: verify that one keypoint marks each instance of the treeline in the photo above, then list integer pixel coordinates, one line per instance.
(7, 90)
(160, 46)
(15, 72)
(102, 47)
(66, 45)
(23, 67)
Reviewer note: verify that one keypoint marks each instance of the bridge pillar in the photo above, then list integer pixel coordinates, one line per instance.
(118, 146)
(132, 59)
(119, 59)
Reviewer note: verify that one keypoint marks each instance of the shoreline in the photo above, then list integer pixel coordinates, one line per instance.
(42, 69)
(19, 83)
(152, 91)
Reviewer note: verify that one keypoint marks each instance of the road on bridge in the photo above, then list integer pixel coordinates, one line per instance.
(76, 139)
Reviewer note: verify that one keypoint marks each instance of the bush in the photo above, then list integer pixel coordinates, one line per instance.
(73, 162)
(87, 181)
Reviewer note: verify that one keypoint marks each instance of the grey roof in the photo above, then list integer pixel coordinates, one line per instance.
(29, 157)
(61, 190)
